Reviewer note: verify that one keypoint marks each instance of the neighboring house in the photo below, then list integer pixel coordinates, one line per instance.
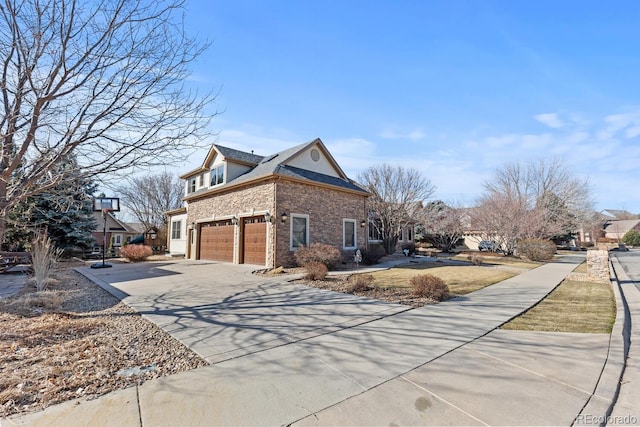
(617, 229)
(616, 214)
(245, 208)
(118, 232)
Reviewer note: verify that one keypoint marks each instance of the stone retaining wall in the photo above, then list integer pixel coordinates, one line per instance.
(598, 265)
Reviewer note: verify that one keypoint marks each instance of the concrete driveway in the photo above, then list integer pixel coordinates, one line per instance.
(222, 311)
(348, 360)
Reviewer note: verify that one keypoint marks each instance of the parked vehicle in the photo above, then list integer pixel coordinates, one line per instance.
(488, 245)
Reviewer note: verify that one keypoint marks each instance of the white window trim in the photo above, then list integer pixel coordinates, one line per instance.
(173, 228)
(215, 168)
(355, 234)
(293, 215)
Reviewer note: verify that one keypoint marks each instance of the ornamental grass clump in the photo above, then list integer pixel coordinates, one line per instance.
(135, 253)
(476, 259)
(44, 257)
(429, 286)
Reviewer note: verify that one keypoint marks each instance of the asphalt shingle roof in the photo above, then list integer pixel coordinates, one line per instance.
(273, 165)
(242, 156)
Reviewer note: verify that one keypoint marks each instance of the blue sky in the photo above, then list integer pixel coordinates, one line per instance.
(452, 88)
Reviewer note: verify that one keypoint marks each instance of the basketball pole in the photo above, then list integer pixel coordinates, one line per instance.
(104, 242)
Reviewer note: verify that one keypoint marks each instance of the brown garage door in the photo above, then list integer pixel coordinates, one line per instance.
(255, 241)
(216, 241)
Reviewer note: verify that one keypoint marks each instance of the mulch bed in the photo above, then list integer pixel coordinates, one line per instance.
(76, 340)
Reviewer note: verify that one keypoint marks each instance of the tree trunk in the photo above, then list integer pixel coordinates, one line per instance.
(4, 203)
(389, 244)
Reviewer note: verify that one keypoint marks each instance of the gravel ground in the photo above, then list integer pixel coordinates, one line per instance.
(76, 340)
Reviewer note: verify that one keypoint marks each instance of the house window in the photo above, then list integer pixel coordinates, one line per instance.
(299, 231)
(118, 239)
(349, 233)
(375, 234)
(191, 185)
(201, 180)
(410, 233)
(176, 229)
(217, 175)
(128, 239)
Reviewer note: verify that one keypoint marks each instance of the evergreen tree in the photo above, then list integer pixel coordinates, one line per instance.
(65, 212)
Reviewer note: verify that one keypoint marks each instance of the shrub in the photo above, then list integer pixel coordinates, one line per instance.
(318, 252)
(476, 259)
(316, 271)
(360, 283)
(46, 300)
(136, 252)
(44, 257)
(537, 249)
(426, 285)
(631, 238)
(372, 255)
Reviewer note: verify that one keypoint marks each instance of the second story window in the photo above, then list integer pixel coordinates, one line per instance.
(217, 175)
(191, 185)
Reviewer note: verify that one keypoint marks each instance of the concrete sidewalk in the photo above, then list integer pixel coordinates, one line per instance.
(439, 364)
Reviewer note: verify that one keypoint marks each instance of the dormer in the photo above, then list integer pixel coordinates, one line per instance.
(220, 166)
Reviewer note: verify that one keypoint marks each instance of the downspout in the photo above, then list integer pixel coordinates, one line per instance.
(274, 226)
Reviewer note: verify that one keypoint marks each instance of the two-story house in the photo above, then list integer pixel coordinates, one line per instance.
(244, 208)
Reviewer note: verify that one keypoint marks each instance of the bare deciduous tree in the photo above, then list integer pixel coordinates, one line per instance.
(102, 82)
(442, 225)
(540, 199)
(396, 198)
(149, 197)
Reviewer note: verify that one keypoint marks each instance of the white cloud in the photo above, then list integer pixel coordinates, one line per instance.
(550, 119)
(412, 135)
(617, 123)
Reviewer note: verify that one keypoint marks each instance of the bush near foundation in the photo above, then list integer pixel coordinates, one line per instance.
(136, 253)
(372, 255)
(316, 271)
(537, 249)
(318, 252)
(429, 286)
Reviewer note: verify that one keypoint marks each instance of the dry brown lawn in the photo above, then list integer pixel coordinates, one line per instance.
(500, 260)
(461, 279)
(572, 307)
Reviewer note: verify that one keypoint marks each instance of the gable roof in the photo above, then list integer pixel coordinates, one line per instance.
(621, 226)
(117, 225)
(276, 165)
(616, 214)
(229, 154)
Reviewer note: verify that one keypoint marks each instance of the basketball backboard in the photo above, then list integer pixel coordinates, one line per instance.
(106, 203)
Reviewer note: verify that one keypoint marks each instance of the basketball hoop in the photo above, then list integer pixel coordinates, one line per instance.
(104, 205)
